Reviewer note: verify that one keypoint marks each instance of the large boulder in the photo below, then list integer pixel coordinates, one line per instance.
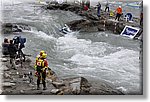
(104, 88)
(7, 28)
(64, 6)
(73, 8)
(77, 85)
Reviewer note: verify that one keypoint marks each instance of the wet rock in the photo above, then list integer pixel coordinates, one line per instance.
(8, 84)
(1, 91)
(104, 88)
(52, 77)
(52, 7)
(3, 59)
(94, 26)
(73, 8)
(64, 6)
(21, 91)
(53, 3)
(31, 85)
(5, 68)
(55, 91)
(75, 87)
(49, 80)
(58, 84)
(78, 85)
(28, 60)
(10, 25)
(89, 16)
(7, 76)
(5, 56)
(60, 93)
(8, 28)
(76, 24)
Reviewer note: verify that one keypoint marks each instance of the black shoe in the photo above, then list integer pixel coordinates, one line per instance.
(44, 88)
(38, 88)
(24, 60)
(15, 68)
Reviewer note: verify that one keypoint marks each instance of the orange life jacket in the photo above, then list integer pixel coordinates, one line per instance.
(119, 10)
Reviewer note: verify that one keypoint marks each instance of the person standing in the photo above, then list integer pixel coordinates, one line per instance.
(107, 7)
(141, 19)
(20, 44)
(119, 13)
(39, 55)
(86, 8)
(5, 46)
(41, 67)
(99, 9)
(12, 52)
(141, 14)
(88, 3)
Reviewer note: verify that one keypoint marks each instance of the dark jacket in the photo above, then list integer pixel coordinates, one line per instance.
(12, 50)
(5, 48)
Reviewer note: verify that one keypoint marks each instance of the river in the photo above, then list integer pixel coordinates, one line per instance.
(96, 56)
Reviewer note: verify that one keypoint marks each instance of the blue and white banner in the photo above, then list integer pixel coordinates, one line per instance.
(129, 31)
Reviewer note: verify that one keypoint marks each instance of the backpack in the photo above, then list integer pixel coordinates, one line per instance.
(22, 42)
(18, 39)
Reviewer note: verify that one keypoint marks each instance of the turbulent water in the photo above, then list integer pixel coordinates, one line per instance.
(96, 56)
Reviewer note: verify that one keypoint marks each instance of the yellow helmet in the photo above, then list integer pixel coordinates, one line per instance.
(44, 55)
(41, 52)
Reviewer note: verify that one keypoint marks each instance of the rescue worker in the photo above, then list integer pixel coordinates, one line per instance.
(39, 56)
(86, 8)
(119, 13)
(41, 66)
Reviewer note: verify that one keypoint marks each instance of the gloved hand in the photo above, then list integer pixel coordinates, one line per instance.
(44, 69)
(35, 67)
(36, 74)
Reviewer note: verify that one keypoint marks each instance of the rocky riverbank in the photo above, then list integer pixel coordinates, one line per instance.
(22, 82)
(7, 28)
(90, 21)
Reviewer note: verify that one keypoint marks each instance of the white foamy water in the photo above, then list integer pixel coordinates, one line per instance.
(119, 66)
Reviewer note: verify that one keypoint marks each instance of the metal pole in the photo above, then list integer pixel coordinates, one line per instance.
(104, 25)
(115, 27)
